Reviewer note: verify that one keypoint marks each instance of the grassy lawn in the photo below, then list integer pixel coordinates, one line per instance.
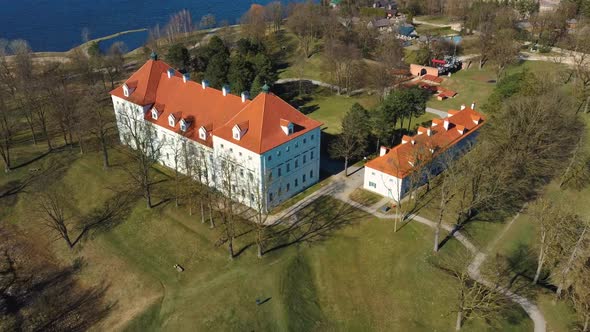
(476, 85)
(434, 31)
(330, 108)
(297, 198)
(434, 19)
(352, 273)
(364, 197)
(311, 69)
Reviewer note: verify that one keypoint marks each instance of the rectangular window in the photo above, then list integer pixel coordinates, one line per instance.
(243, 193)
(304, 158)
(222, 146)
(231, 149)
(311, 174)
(303, 179)
(288, 187)
(312, 137)
(240, 154)
(288, 167)
(372, 184)
(251, 176)
(279, 170)
(251, 197)
(311, 155)
(296, 163)
(241, 172)
(287, 149)
(270, 197)
(296, 183)
(296, 145)
(304, 140)
(269, 158)
(270, 175)
(279, 153)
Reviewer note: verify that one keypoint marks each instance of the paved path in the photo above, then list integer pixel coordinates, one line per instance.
(316, 82)
(341, 187)
(434, 111)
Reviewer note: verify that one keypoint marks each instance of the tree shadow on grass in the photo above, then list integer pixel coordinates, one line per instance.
(315, 223)
(40, 295)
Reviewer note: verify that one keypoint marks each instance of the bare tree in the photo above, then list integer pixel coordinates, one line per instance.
(474, 299)
(7, 132)
(253, 23)
(179, 25)
(305, 22)
(144, 152)
(113, 62)
(547, 216)
(97, 117)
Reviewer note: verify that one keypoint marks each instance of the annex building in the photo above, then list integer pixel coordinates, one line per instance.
(245, 148)
(392, 173)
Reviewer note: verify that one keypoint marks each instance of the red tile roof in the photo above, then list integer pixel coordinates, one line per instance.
(210, 109)
(397, 162)
(265, 115)
(432, 78)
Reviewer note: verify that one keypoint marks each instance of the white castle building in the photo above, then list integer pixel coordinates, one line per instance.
(272, 147)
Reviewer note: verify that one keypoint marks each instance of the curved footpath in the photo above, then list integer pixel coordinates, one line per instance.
(341, 187)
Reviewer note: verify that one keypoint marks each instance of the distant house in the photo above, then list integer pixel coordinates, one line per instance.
(335, 3)
(392, 173)
(548, 5)
(406, 32)
(385, 4)
(383, 24)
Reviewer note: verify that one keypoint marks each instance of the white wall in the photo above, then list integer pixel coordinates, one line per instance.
(297, 161)
(384, 184)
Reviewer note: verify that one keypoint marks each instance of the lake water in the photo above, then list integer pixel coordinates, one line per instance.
(56, 25)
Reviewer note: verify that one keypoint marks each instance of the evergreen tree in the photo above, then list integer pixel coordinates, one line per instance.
(217, 70)
(241, 74)
(178, 56)
(256, 86)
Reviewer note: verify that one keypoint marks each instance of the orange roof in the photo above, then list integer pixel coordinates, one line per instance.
(265, 115)
(400, 160)
(432, 78)
(209, 108)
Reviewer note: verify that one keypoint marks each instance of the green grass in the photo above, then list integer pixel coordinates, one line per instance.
(311, 68)
(297, 198)
(365, 197)
(476, 85)
(356, 274)
(330, 108)
(434, 19)
(422, 29)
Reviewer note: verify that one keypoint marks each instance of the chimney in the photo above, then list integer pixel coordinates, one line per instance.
(205, 84)
(382, 151)
(473, 105)
(428, 132)
(225, 90)
(186, 77)
(462, 107)
(446, 124)
(170, 72)
(245, 96)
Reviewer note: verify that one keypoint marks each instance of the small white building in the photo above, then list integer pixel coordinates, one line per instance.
(271, 147)
(392, 173)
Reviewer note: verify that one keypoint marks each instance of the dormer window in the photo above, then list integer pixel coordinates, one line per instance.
(154, 113)
(128, 88)
(239, 130)
(184, 125)
(287, 127)
(203, 133)
(171, 120)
